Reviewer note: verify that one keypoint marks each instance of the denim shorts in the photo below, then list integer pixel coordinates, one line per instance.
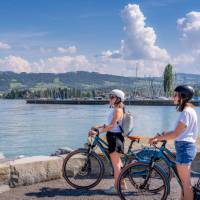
(185, 152)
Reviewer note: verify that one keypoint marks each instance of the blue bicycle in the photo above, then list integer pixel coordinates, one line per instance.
(84, 168)
(147, 175)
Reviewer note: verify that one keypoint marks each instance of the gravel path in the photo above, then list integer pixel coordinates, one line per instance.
(59, 189)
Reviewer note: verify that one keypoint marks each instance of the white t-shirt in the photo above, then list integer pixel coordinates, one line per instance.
(116, 128)
(188, 117)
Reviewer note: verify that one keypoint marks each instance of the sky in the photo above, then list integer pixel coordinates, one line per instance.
(106, 36)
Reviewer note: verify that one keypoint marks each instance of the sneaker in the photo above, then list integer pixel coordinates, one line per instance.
(111, 190)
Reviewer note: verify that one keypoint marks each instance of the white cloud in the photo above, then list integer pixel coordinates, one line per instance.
(126, 67)
(70, 49)
(141, 39)
(111, 54)
(189, 27)
(183, 59)
(60, 50)
(4, 46)
(59, 64)
(14, 63)
(138, 49)
(188, 60)
(62, 64)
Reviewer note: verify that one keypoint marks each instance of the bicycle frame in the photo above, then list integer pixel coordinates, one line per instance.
(101, 143)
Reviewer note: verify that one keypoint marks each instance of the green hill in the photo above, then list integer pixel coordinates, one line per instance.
(81, 79)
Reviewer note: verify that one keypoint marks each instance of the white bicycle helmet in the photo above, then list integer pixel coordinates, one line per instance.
(118, 93)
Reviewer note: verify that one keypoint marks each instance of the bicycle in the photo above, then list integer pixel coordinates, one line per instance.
(143, 172)
(84, 168)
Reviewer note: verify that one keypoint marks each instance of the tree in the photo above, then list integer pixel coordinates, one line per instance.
(168, 80)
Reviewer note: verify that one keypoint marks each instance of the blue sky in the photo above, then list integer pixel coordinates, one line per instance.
(60, 36)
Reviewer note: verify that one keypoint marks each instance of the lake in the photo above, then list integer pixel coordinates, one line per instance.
(40, 129)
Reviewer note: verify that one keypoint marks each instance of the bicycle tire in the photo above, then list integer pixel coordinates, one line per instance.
(81, 165)
(142, 166)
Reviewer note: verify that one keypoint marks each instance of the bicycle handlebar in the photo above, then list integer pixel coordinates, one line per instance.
(164, 142)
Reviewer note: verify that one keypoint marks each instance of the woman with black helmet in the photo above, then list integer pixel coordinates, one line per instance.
(114, 135)
(185, 135)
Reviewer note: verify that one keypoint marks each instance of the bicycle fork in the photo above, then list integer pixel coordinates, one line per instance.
(145, 184)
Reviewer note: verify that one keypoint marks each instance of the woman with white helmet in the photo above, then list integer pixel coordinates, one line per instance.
(114, 135)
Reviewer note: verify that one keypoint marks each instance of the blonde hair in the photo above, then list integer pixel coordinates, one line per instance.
(119, 105)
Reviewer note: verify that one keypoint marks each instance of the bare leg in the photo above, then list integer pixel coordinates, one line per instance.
(117, 164)
(184, 174)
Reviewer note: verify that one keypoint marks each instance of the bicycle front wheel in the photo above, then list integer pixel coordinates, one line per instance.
(142, 182)
(83, 170)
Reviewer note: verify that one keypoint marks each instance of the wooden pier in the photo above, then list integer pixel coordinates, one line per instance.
(146, 102)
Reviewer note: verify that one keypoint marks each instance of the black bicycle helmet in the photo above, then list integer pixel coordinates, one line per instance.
(186, 92)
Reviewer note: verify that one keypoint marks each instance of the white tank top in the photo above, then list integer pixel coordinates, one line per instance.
(116, 128)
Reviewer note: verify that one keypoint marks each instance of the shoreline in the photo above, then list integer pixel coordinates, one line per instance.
(145, 102)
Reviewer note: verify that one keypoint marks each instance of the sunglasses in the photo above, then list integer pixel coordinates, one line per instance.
(112, 96)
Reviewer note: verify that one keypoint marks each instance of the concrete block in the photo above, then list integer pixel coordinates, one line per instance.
(27, 171)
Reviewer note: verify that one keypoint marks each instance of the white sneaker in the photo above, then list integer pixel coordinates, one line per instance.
(111, 190)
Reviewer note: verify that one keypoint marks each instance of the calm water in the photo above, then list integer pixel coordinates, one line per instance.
(29, 129)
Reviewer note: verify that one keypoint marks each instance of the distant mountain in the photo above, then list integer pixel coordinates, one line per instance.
(9, 80)
(80, 79)
(187, 78)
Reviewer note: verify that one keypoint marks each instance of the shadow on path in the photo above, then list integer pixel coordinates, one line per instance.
(53, 192)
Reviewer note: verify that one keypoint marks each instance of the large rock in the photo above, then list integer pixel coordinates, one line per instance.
(35, 169)
(4, 173)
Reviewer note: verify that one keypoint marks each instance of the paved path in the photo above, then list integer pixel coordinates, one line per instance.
(60, 190)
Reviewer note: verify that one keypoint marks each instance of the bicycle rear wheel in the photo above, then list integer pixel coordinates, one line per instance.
(83, 170)
(142, 182)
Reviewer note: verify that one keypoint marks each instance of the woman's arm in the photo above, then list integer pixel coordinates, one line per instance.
(169, 135)
(97, 127)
